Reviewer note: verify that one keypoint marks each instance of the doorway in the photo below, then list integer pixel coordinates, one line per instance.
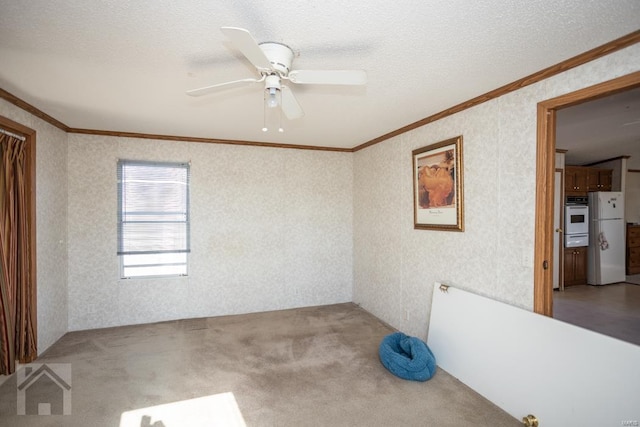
(545, 167)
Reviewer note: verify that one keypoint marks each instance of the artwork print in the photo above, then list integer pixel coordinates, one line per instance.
(437, 185)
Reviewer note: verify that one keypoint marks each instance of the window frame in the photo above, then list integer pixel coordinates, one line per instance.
(121, 164)
(121, 259)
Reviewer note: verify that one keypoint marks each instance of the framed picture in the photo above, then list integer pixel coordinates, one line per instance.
(437, 186)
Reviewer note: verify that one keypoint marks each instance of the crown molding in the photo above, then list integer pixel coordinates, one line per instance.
(583, 58)
(600, 51)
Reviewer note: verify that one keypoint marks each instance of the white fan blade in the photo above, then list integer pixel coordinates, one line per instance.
(290, 106)
(243, 40)
(208, 89)
(328, 77)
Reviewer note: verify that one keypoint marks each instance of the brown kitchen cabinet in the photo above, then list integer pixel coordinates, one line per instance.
(575, 266)
(599, 179)
(633, 249)
(575, 181)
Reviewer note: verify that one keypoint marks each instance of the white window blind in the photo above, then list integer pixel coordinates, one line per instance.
(153, 218)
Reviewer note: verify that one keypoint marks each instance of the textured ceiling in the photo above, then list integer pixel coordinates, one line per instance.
(602, 129)
(125, 65)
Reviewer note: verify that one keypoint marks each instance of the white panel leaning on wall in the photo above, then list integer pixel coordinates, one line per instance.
(526, 363)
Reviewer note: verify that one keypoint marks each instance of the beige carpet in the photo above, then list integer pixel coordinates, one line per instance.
(314, 366)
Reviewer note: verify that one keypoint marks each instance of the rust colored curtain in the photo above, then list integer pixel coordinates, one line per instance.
(17, 332)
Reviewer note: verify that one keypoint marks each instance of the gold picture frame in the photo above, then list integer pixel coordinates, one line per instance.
(438, 202)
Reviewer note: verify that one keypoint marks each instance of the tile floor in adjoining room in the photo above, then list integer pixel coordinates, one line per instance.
(612, 310)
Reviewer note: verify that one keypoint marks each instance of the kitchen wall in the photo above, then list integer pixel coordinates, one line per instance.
(632, 197)
(271, 229)
(396, 266)
(51, 224)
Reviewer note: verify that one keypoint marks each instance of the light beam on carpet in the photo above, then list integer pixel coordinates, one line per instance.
(214, 410)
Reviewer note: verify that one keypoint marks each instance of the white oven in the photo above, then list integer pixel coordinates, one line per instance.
(576, 219)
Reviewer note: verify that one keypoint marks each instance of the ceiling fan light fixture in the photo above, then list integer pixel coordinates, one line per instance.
(272, 98)
(272, 87)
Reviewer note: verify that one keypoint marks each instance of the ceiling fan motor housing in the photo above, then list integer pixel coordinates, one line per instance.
(280, 56)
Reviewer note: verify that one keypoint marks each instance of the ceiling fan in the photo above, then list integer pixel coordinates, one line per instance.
(273, 62)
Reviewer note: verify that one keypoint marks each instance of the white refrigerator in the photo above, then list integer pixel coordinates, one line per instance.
(605, 255)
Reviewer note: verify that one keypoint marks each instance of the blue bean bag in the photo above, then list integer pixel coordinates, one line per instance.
(407, 357)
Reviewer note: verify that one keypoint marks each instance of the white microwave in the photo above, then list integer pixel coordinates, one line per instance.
(576, 219)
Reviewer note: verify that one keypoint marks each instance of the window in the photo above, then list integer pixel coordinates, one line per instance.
(153, 218)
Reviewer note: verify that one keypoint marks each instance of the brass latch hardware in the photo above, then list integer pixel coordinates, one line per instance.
(530, 421)
(444, 288)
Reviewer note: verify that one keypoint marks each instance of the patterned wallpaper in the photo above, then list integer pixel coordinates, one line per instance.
(396, 266)
(51, 224)
(271, 229)
(274, 228)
